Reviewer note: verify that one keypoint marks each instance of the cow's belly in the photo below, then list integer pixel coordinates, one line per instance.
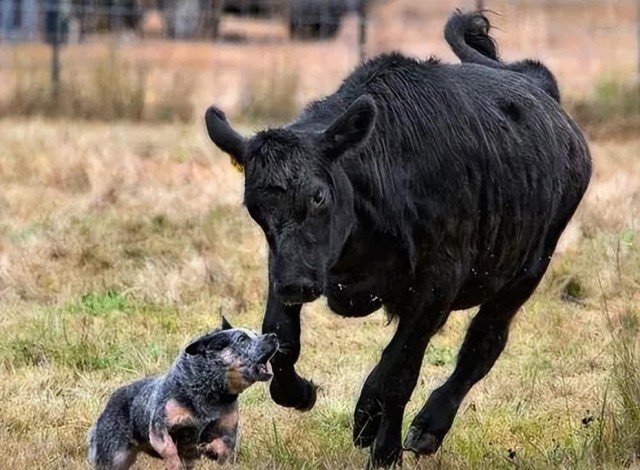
(350, 298)
(482, 284)
(473, 293)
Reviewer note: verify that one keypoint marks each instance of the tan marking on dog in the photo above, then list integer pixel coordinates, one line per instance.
(221, 448)
(228, 421)
(164, 445)
(236, 383)
(173, 463)
(175, 413)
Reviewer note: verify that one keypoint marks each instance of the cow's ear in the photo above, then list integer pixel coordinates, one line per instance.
(351, 129)
(225, 138)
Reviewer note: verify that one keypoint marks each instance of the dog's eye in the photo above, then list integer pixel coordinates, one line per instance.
(244, 340)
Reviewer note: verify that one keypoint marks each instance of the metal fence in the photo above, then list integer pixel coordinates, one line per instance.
(580, 39)
(29, 20)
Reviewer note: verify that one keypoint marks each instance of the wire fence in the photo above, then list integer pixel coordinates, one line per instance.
(581, 40)
(71, 21)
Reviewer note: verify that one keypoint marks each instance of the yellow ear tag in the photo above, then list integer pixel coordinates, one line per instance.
(237, 165)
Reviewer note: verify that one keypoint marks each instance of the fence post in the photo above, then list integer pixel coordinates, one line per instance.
(638, 39)
(362, 29)
(55, 59)
(53, 36)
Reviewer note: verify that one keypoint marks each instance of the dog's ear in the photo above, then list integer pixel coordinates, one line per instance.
(210, 342)
(225, 324)
(195, 347)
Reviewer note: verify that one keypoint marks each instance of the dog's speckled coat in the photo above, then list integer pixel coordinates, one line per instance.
(190, 411)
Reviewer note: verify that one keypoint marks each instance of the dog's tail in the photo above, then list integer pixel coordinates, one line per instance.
(468, 36)
(91, 446)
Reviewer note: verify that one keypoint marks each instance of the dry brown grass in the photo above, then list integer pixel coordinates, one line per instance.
(120, 242)
(611, 111)
(271, 95)
(108, 88)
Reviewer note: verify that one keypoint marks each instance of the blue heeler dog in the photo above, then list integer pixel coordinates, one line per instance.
(189, 412)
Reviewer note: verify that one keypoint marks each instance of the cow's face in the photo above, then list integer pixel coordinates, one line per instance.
(298, 194)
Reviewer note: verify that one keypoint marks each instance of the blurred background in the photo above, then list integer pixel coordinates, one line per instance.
(262, 59)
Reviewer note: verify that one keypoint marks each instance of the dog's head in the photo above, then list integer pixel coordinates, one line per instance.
(240, 357)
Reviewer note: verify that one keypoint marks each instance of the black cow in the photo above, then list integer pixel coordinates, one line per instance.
(420, 187)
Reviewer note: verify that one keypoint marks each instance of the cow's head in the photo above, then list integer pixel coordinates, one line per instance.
(298, 194)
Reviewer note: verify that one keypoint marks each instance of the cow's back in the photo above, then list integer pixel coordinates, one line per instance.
(473, 162)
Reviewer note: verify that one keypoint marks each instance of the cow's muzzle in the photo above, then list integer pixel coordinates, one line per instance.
(297, 292)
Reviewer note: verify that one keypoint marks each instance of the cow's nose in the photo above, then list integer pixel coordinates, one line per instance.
(297, 292)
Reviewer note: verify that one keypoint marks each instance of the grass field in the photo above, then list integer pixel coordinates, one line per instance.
(120, 242)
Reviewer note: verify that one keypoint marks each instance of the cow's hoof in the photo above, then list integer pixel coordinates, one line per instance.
(421, 442)
(310, 397)
(383, 457)
(368, 414)
(365, 426)
(300, 395)
(366, 419)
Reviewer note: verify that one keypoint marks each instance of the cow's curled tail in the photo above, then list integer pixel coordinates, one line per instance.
(468, 36)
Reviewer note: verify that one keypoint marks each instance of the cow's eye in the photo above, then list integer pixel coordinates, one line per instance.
(318, 198)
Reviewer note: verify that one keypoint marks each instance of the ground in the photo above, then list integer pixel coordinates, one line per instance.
(121, 241)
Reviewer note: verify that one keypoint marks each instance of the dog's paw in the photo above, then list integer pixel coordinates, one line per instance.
(217, 450)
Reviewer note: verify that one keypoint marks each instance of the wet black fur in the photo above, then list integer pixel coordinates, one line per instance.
(468, 36)
(421, 187)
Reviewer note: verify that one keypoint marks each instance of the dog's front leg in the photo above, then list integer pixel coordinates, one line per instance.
(163, 444)
(218, 439)
(287, 387)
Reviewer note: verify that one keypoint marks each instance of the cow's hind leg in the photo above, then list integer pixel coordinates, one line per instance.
(483, 344)
(380, 409)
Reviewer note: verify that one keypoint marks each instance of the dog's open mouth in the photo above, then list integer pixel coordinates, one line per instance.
(265, 372)
(263, 367)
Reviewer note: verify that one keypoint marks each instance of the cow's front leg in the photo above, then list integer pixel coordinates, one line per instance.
(287, 387)
(380, 409)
